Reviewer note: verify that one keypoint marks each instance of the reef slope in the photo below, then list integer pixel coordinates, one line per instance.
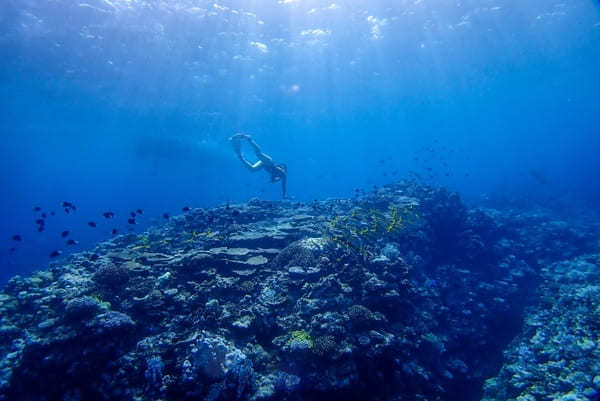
(404, 293)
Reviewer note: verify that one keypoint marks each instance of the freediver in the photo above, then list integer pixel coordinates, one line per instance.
(278, 172)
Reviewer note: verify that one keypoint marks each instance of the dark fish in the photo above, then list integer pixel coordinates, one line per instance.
(235, 213)
(131, 221)
(68, 205)
(64, 234)
(165, 215)
(40, 229)
(185, 209)
(37, 209)
(72, 242)
(52, 213)
(227, 206)
(12, 250)
(114, 231)
(108, 215)
(91, 224)
(17, 237)
(139, 211)
(132, 214)
(54, 254)
(67, 211)
(41, 222)
(94, 256)
(44, 215)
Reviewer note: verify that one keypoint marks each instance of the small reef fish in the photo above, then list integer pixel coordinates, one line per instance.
(165, 216)
(17, 237)
(91, 224)
(72, 242)
(114, 231)
(131, 221)
(64, 234)
(37, 209)
(139, 211)
(44, 215)
(68, 205)
(108, 215)
(132, 214)
(185, 209)
(54, 254)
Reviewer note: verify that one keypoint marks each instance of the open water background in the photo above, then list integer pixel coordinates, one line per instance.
(118, 105)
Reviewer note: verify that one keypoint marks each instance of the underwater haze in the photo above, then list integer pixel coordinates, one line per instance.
(119, 105)
(299, 200)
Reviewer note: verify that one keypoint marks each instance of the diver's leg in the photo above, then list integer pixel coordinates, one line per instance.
(252, 167)
(236, 142)
(261, 156)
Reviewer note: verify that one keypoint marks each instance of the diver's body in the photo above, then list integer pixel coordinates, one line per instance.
(278, 172)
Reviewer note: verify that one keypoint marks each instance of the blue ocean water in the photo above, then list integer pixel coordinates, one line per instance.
(116, 105)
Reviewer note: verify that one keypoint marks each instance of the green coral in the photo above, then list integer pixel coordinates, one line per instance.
(363, 227)
(104, 305)
(300, 339)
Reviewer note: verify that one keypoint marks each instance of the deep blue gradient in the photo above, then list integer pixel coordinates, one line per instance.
(118, 105)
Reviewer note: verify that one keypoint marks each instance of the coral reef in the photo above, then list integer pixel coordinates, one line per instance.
(404, 293)
(556, 356)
